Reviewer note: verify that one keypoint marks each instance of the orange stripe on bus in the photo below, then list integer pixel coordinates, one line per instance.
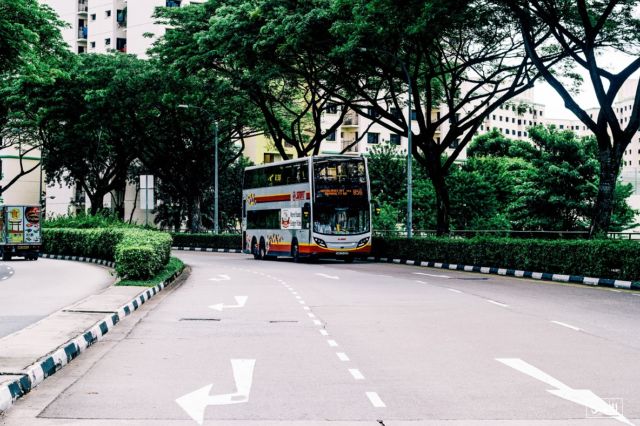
(272, 198)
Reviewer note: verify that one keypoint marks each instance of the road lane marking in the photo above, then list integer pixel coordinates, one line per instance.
(432, 275)
(384, 276)
(420, 282)
(331, 277)
(196, 402)
(324, 332)
(311, 315)
(342, 356)
(375, 400)
(616, 291)
(454, 290)
(356, 374)
(298, 297)
(221, 277)
(306, 308)
(564, 324)
(497, 303)
(317, 322)
(582, 397)
(240, 302)
(332, 343)
(636, 294)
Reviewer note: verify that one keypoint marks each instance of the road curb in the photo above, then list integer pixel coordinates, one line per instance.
(208, 249)
(53, 362)
(79, 259)
(543, 276)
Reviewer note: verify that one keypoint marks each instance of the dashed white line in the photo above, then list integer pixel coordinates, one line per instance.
(331, 277)
(316, 322)
(324, 332)
(356, 374)
(420, 282)
(332, 343)
(432, 275)
(375, 400)
(454, 290)
(298, 297)
(636, 294)
(302, 302)
(564, 324)
(497, 303)
(342, 356)
(616, 291)
(306, 308)
(311, 315)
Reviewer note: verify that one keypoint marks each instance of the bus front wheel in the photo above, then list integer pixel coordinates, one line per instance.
(262, 250)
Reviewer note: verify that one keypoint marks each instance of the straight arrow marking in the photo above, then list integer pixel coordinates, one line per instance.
(196, 402)
(582, 397)
(240, 302)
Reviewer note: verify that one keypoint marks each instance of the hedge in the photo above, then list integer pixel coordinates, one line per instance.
(222, 241)
(594, 258)
(139, 254)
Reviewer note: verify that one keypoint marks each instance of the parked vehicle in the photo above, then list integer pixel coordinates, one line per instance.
(20, 232)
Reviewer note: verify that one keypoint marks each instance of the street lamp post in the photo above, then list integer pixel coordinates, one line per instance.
(215, 161)
(409, 142)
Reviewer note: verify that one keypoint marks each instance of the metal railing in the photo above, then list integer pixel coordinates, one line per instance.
(349, 145)
(83, 32)
(545, 235)
(350, 119)
(83, 6)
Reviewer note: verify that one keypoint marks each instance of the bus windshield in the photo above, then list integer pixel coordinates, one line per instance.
(341, 204)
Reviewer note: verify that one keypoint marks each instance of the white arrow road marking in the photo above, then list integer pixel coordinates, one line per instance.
(196, 402)
(331, 277)
(221, 277)
(241, 301)
(432, 275)
(582, 397)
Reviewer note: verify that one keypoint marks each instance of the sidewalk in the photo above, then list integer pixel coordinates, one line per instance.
(32, 354)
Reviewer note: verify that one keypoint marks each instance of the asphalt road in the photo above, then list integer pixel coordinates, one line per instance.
(277, 343)
(30, 291)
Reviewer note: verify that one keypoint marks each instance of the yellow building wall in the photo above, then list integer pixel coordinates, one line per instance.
(260, 149)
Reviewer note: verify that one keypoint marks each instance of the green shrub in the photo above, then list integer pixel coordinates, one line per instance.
(138, 253)
(222, 241)
(595, 258)
(85, 221)
(175, 265)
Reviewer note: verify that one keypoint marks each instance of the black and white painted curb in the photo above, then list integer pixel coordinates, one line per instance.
(79, 259)
(35, 374)
(208, 249)
(545, 276)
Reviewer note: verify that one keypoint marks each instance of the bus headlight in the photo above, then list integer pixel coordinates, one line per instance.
(363, 242)
(320, 242)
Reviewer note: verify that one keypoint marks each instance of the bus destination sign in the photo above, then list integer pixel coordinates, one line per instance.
(342, 192)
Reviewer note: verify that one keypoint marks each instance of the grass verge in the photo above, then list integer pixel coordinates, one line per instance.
(174, 265)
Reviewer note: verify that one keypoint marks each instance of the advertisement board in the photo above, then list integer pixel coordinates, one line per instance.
(291, 218)
(15, 224)
(32, 225)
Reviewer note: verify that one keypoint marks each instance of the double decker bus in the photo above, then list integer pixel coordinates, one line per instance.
(310, 207)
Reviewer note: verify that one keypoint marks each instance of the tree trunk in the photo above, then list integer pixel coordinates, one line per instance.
(196, 216)
(609, 169)
(97, 203)
(437, 176)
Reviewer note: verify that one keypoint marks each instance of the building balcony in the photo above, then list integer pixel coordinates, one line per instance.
(83, 6)
(350, 119)
(83, 32)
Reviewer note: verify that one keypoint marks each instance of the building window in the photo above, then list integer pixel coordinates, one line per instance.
(107, 42)
(173, 3)
(396, 113)
(93, 44)
(81, 49)
(372, 112)
(373, 137)
(107, 13)
(121, 45)
(494, 117)
(454, 144)
(519, 133)
(331, 137)
(506, 131)
(331, 108)
(500, 118)
(394, 139)
(93, 16)
(414, 114)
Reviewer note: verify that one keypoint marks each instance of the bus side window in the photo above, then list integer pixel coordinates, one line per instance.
(306, 215)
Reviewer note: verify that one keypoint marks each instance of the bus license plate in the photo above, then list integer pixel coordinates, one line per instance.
(23, 247)
(342, 253)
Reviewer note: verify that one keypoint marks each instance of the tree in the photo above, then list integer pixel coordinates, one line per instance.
(31, 50)
(254, 46)
(464, 59)
(583, 30)
(94, 124)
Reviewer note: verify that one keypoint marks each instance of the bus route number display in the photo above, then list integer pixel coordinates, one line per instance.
(342, 192)
(291, 218)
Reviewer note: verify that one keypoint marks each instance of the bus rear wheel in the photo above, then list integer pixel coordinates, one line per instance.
(262, 250)
(255, 250)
